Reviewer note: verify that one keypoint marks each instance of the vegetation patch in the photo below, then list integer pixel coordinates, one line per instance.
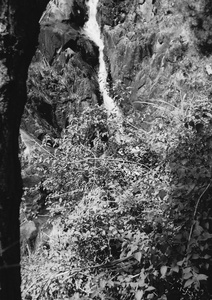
(131, 219)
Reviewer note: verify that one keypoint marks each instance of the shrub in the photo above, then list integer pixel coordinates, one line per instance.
(132, 218)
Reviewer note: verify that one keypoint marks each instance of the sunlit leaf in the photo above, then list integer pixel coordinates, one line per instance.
(175, 269)
(201, 277)
(186, 270)
(150, 288)
(74, 239)
(180, 263)
(195, 256)
(102, 284)
(163, 270)
(187, 275)
(134, 285)
(188, 283)
(141, 282)
(138, 256)
(139, 295)
(150, 296)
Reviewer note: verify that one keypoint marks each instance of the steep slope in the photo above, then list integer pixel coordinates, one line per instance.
(133, 216)
(158, 53)
(158, 50)
(63, 77)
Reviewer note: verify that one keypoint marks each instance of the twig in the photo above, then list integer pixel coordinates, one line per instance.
(64, 194)
(10, 266)
(138, 129)
(110, 159)
(10, 246)
(44, 149)
(94, 158)
(195, 213)
(159, 107)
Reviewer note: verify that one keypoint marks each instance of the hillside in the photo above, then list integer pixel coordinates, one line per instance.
(117, 202)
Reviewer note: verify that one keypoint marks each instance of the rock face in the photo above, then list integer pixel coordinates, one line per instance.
(157, 51)
(28, 233)
(63, 76)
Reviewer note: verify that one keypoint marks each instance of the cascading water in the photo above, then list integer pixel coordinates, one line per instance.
(92, 31)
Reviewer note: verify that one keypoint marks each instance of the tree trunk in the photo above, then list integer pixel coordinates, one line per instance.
(19, 29)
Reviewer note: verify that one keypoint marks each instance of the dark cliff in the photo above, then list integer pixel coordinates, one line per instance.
(63, 75)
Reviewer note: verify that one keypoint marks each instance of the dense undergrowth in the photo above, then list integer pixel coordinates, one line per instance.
(132, 218)
(131, 212)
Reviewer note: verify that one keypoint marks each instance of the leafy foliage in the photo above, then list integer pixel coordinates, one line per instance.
(132, 218)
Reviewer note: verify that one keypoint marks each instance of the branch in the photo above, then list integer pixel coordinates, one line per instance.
(194, 216)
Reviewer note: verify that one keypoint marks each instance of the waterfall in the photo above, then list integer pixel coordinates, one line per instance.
(92, 31)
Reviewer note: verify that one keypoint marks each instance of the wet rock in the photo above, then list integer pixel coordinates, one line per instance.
(63, 78)
(28, 235)
(30, 181)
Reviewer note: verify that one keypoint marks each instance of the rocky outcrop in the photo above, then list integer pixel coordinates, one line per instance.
(157, 51)
(60, 24)
(63, 76)
(28, 233)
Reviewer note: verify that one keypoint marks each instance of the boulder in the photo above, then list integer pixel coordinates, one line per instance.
(63, 77)
(28, 235)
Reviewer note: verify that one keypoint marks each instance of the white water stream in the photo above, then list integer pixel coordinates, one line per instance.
(92, 31)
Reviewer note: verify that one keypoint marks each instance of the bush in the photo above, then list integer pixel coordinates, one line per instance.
(131, 218)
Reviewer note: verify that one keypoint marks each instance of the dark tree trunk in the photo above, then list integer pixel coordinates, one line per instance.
(19, 28)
